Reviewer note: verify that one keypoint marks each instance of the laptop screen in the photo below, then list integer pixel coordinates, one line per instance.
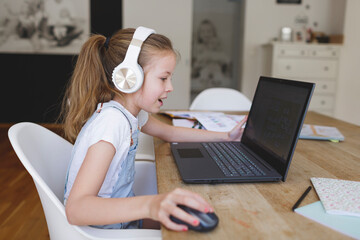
(275, 120)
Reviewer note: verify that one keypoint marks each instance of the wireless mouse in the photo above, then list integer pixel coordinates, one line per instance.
(208, 221)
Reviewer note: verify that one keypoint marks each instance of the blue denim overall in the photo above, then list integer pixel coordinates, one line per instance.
(124, 184)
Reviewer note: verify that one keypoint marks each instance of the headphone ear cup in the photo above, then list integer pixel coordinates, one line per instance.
(128, 78)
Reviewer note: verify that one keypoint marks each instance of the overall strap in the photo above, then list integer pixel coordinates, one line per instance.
(116, 107)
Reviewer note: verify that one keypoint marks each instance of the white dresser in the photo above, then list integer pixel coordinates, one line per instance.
(318, 63)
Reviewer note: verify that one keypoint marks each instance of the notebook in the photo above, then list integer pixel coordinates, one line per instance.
(316, 132)
(267, 145)
(348, 225)
(338, 196)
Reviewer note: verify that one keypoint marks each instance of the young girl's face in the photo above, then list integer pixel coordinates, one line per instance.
(157, 82)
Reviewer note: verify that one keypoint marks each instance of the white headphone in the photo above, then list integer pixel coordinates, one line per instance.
(128, 76)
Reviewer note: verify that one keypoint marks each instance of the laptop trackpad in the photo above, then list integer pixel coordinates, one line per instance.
(195, 163)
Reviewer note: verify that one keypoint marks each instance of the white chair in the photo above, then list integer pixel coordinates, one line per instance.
(221, 99)
(145, 178)
(145, 182)
(45, 156)
(145, 150)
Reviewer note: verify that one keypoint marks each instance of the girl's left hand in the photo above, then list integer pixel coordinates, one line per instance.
(236, 133)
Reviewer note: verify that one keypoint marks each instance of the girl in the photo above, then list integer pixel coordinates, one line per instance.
(105, 122)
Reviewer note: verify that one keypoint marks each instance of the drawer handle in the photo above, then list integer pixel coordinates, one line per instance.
(288, 67)
(314, 53)
(323, 102)
(324, 86)
(326, 68)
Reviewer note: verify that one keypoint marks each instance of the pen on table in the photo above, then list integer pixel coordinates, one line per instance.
(301, 198)
(196, 123)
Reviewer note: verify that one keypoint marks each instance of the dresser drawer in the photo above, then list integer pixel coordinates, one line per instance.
(291, 52)
(307, 51)
(306, 68)
(328, 53)
(325, 86)
(321, 102)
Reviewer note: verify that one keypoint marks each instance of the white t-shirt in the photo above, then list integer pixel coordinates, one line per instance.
(111, 126)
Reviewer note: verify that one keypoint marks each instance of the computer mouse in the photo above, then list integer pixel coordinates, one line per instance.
(208, 221)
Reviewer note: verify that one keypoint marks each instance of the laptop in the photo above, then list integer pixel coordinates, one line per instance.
(268, 143)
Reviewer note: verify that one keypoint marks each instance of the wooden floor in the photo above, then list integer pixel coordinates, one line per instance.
(21, 214)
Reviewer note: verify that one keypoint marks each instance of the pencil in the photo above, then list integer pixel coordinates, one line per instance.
(301, 198)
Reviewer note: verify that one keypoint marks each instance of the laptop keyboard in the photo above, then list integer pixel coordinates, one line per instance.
(231, 160)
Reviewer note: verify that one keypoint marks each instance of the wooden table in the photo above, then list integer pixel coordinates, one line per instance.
(263, 210)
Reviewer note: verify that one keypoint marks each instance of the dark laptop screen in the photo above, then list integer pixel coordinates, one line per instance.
(275, 119)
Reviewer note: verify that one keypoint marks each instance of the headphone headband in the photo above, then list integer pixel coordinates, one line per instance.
(142, 33)
(128, 76)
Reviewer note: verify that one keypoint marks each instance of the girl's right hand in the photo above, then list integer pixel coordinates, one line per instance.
(164, 205)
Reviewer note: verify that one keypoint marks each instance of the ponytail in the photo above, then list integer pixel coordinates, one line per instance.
(88, 86)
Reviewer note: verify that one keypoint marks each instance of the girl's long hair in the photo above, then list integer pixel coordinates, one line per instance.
(91, 82)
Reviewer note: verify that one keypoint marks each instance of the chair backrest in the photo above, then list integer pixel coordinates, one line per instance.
(221, 99)
(145, 149)
(46, 156)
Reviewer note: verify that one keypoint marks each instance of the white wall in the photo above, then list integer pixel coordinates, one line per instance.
(263, 21)
(347, 105)
(172, 18)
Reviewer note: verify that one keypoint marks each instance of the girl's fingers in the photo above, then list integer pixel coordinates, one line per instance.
(236, 133)
(173, 226)
(184, 216)
(173, 210)
(169, 206)
(242, 122)
(191, 199)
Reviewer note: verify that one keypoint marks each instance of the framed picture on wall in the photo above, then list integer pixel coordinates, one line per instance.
(213, 45)
(44, 26)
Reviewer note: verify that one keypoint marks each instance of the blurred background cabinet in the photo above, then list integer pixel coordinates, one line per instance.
(318, 63)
